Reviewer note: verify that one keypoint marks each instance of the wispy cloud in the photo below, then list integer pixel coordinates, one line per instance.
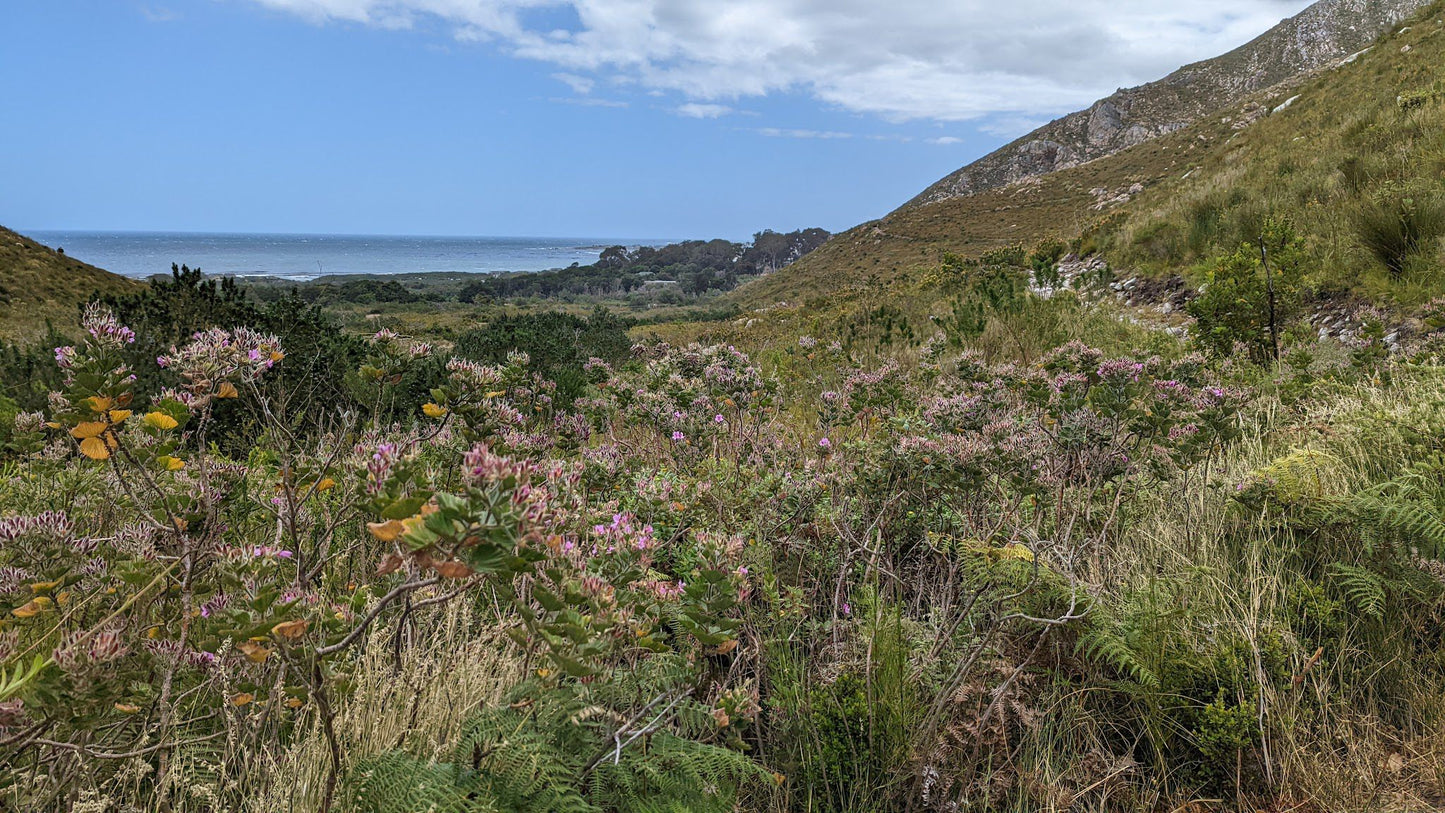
(1012, 126)
(698, 110)
(579, 84)
(903, 60)
(777, 132)
(587, 101)
(944, 141)
(159, 14)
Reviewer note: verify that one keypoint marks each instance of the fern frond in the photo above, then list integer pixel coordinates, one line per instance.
(1364, 589)
(1105, 647)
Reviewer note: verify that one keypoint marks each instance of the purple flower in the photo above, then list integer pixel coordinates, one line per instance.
(677, 436)
(825, 444)
(717, 418)
(65, 357)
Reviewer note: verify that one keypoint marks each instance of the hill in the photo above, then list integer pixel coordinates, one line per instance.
(1319, 36)
(1326, 152)
(39, 284)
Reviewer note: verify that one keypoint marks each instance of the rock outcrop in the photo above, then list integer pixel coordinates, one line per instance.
(1321, 35)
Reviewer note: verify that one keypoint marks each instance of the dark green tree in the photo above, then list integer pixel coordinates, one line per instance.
(1252, 295)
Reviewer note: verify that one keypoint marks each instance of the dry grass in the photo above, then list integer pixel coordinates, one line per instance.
(39, 286)
(454, 666)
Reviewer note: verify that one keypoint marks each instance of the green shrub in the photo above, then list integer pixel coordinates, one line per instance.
(1399, 223)
(1253, 295)
(558, 344)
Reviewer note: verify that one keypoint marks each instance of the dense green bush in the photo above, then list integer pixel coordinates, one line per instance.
(1251, 297)
(558, 344)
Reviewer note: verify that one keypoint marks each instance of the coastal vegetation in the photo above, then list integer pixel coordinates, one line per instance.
(999, 567)
(1034, 499)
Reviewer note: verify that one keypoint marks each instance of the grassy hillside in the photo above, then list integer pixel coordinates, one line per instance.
(1360, 149)
(1343, 147)
(38, 284)
(1319, 36)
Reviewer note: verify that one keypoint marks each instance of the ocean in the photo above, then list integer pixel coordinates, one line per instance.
(303, 257)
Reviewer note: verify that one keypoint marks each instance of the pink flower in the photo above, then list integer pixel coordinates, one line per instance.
(717, 419)
(825, 444)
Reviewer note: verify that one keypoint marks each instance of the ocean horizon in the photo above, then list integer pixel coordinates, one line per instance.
(303, 257)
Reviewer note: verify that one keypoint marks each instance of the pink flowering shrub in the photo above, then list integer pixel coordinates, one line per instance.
(702, 551)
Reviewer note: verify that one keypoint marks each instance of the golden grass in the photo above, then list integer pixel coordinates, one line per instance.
(39, 286)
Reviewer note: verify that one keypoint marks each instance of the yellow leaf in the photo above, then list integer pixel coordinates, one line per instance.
(496, 394)
(227, 390)
(160, 420)
(63, 598)
(41, 587)
(95, 449)
(89, 429)
(171, 463)
(386, 531)
(294, 702)
(433, 410)
(1014, 550)
(242, 699)
(119, 415)
(98, 403)
(126, 708)
(326, 484)
(29, 610)
(277, 355)
(254, 652)
(153, 633)
(290, 629)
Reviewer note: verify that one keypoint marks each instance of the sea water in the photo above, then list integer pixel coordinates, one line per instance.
(304, 256)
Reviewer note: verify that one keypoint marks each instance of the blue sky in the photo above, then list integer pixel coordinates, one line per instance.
(626, 118)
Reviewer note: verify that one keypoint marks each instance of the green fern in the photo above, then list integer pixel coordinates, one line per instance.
(1405, 508)
(551, 750)
(1364, 589)
(396, 783)
(1100, 644)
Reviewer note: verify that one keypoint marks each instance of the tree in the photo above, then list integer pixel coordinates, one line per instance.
(1250, 296)
(614, 257)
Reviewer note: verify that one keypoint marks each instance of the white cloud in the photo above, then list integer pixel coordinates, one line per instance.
(944, 141)
(778, 132)
(587, 101)
(906, 59)
(579, 84)
(1011, 126)
(159, 14)
(697, 110)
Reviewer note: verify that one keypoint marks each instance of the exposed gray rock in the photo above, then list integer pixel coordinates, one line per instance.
(1318, 37)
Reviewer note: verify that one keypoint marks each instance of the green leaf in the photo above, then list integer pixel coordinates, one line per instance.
(401, 509)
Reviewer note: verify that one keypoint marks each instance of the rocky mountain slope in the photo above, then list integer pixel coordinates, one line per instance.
(1323, 152)
(1321, 35)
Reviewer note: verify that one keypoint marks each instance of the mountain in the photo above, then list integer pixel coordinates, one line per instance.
(1331, 151)
(40, 284)
(1319, 36)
